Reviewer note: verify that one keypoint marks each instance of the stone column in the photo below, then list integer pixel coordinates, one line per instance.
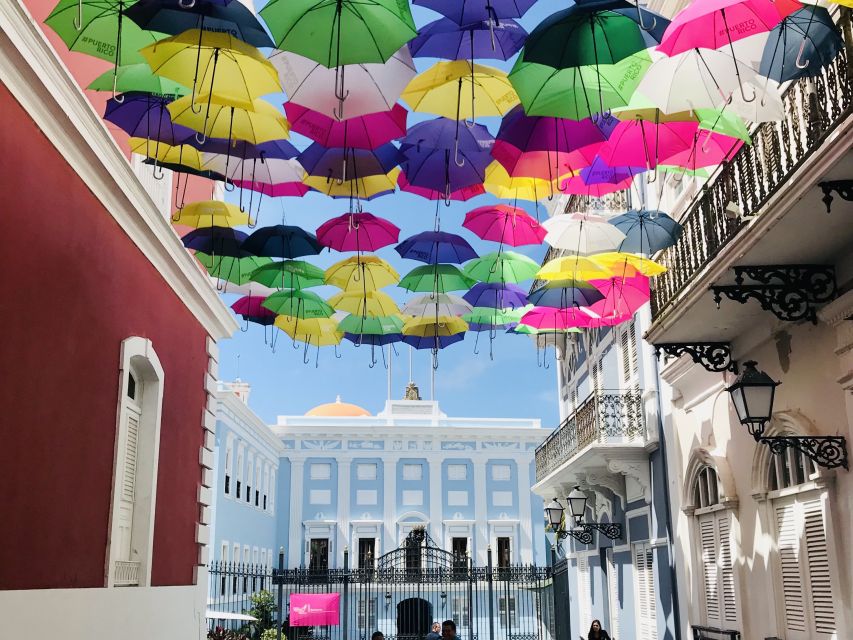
(343, 529)
(481, 520)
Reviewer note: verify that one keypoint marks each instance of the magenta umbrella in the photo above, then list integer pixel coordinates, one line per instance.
(505, 224)
(708, 149)
(622, 296)
(578, 187)
(557, 319)
(251, 306)
(644, 144)
(465, 193)
(362, 132)
(279, 190)
(357, 232)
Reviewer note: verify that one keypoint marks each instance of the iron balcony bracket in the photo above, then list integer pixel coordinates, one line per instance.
(713, 356)
(827, 451)
(583, 532)
(844, 188)
(790, 292)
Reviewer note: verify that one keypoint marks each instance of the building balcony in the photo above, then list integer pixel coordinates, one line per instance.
(765, 207)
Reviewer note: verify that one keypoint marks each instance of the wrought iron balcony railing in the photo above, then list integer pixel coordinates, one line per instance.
(604, 417)
(814, 107)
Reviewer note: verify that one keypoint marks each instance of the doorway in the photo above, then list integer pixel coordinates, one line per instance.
(414, 617)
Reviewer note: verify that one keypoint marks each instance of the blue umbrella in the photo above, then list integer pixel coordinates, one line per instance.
(433, 342)
(496, 295)
(646, 232)
(373, 339)
(445, 171)
(468, 11)
(433, 247)
(441, 133)
(445, 38)
(217, 241)
(282, 241)
(802, 44)
(564, 294)
(144, 115)
(340, 162)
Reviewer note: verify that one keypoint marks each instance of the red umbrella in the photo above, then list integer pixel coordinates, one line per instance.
(362, 132)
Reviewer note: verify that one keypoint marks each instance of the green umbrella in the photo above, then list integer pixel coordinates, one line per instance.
(701, 172)
(526, 329)
(503, 267)
(438, 278)
(137, 77)
(340, 32)
(236, 270)
(298, 304)
(577, 92)
(725, 122)
(378, 326)
(289, 274)
(487, 315)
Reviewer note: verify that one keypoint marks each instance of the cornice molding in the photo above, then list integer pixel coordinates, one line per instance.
(838, 310)
(41, 83)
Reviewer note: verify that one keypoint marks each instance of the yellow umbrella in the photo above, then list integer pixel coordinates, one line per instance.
(574, 268)
(219, 67)
(627, 264)
(499, 183)
(844, 3)
(425, 326)
(182, 154)
(366, 187)
(369, 304)
(361, 273)
(262, 124)
(211, 213)
(457, 89)
(319, 332)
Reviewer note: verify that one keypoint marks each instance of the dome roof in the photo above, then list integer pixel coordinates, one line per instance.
(338, 409)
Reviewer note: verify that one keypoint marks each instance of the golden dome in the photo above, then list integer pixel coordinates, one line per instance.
(338, 409)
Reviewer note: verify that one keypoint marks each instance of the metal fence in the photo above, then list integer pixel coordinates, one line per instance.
(401, 594)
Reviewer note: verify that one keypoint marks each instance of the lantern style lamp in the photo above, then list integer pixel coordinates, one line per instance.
(577, 504)
(554, 513)
(752, 394)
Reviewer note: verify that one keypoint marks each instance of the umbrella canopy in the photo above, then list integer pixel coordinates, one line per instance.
(363, 187)
(319, 332)
(496, 295)
(376, 326)
(299, 304)
(266, 171)
(372, 87)
(502, 266)
(445, 134)
(370, 304)
(465, 193)
(361, 273)
(430, 327)
(360, 132)
(357, 232)
(445, 38)
(499, 183)
(434, 342)
(800, 46)
(444, 170)
(505, 224)
(289, 274)
(621, 296)
(252, 306)
(234, 270)
(577, 186)
(174, 16)
(144, 115)
(574, 268)
(436, 278)
(137, 77)
(181, 155)
(599, 172)
(245, 150)
(626, 265)
(373, 339)
(549, 318)
(211, 213)
(261, 123)
(436, 246)
(339, 162)
(282, 241)
(561, 294)
(468, 11)
(436, 304)
(582, 234)
(276, 190)
(494, 317)
(216, 241)
(340, 32)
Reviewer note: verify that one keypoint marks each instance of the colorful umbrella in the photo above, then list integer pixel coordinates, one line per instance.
(282, 241)
(363, 187)
(551, 319)
(503, 266)
(144, 115)
(216, 241)
(339, 162)
(444, 170)
(582, 234)
(504, 224)
(180, 157)
(319, 332)
(136, 77)
(360, 132)
(430, 327)
(574, 268)
(375, 326)
(621, 296)
(802, 45)
(211, 213)
(367, 303)
(468, 11)
(373, 339)
(277, 190)
(646, 232)
(626, 265)
(289, 274)
(465, 193)
(363, 273)
(357, 232)
(499, 183)
(437, 278)
(494, 317)
(436, 304)
(436, 246)
(234, 270)
(445, 134)
(261, 123)
(372, 87)
(562, 294)
(252, 306)
(433, 342)
(299, 304)
(496, 295)
(445, 38)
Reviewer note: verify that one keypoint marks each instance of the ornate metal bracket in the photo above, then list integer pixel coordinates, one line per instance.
(713, 356)
(843, 188)
(827, 451)
(790, 292)
(583, 532)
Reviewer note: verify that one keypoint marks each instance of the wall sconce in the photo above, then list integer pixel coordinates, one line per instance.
(582, 531)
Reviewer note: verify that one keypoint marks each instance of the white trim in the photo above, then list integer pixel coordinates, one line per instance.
(41, 83)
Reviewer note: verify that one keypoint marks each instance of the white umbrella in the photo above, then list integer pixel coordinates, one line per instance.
(369, 88)
(705, 79)
(228, 615)
(582, 234)
(248, 289)
(448, 305)
(267, 171)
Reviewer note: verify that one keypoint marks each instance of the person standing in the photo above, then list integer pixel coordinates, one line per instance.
(448, 630)
(596, 632)
(435, 632)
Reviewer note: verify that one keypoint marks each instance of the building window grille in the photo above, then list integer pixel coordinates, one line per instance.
(238, 488)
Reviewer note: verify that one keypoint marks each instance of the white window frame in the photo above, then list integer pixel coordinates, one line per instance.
(320, 471)
(138, 353)
(366, 471)
(412, 471)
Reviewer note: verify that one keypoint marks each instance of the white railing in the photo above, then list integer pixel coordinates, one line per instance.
(126, 573)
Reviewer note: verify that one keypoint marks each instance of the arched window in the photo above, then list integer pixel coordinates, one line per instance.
(790, 469)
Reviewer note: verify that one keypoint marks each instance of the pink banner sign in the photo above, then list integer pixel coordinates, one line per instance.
(315, 609)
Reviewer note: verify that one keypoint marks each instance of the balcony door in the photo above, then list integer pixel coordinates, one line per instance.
(318, 555)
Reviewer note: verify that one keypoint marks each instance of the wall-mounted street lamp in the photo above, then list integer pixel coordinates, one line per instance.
(753, 393)
(581, 531)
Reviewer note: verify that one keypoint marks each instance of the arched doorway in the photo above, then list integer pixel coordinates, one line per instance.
(414, 617)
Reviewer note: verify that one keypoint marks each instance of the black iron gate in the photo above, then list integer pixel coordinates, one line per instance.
(402, 593)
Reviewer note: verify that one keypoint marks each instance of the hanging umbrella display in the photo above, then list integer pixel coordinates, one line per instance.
(361, 187)
(216, 241)
(144, 115)
(646, 232)
(340, 163)
(620, 296)
(465, 193)
(444, 134)
(436, 304)
(363, 273)
(373, 339)
(488, 39)
(277, 190)
(357, 232)
(625, 265)
(430, 327)
(496, 295)
(289, 274)
(360, 132)
(803, 44)
(232, 270)
(436, 278)
(599, 172)
(551, 319)
(372, 87)
(180, 157)
(282, 241)
(444, 170)
(318, 332)
(504, 224)
(137, 77)
(370, 304)
(261, 123)
(499, 183)
(436, 246)
(434, 342)
(562, 294)
(582, 234)
(376, 326)
(502, 266)
(494, 318)
(266, 171)
(574, 268)
(468, 11)
(211, 213)
(252, 306)
(299, 304)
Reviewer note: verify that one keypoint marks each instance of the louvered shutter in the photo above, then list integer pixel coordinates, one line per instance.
(131, 451)
(727, 576)
(645, 588)
(818, 577)
(708, 543)
(789, 561)
(584, 593)
(613, 594)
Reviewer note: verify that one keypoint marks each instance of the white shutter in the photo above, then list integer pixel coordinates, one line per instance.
(818, 577)
(708, 542)
(584, 593)
(644, 585)
(727, 576)
(131, 447)
(613, 594)
(789, 563)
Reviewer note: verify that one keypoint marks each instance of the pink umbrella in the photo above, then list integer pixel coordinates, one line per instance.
(576, 186)
(251, 306)
(357, 232)
(708, 149)
(551, 318)
(542, 164)
(282, 189)
(640, 143)
(622, 296)
(465, 193)
(362, 132)
(505, 224)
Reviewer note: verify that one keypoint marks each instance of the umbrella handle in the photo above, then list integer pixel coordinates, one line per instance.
(78, 20)
(186, 5)
(800, 65)
(476, 344)
(160, 175)
(706, 141)
(343, 177)
(203, 138)
(640, 19)
(228, 183)
(337, 355)
(460, 162)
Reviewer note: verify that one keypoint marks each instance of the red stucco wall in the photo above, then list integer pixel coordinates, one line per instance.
(72, 287)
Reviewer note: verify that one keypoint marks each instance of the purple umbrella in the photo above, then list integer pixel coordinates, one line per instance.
(337, 162)
(436, 169)
(468, 11)
(440, 133)
(217, 241)
(433, 247)
(445, 38)
(244, 150)
(433, 342)
(542, 133)
(496, 295)
(599, 172)
(144, 115)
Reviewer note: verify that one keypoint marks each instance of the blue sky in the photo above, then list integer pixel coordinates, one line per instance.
(514, 384)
